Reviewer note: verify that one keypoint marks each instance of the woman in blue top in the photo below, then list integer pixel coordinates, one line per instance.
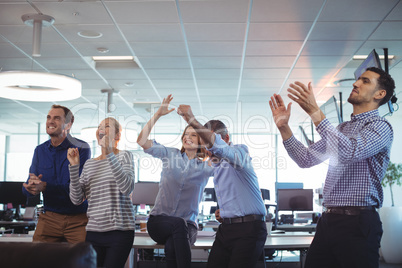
(173, 219)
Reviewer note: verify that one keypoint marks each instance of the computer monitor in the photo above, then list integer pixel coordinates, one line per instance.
(210, 195)
(295, 199)
(145, 193)
(11, 192)
(265, 194)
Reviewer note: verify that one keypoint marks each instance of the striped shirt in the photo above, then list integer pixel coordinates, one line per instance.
(358, 151)
(107, 185)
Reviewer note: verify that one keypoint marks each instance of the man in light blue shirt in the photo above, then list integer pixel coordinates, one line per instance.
(241, 237)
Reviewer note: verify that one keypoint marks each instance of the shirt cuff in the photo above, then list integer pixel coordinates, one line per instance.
(290, 141)
(218, 145)
(150, 149)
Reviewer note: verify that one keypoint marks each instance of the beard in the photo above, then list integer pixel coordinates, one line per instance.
(353, 99)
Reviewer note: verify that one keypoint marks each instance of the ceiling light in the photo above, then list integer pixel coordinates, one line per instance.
(90, 34)
(113, 62)
(37, 21)
(363, 57)
(36, 86)
(129, 84)
(113, 58)
(103, 50)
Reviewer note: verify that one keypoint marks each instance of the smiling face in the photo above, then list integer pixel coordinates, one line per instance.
(107, 127)
(190, 139)
(56, 123)
(365, 89)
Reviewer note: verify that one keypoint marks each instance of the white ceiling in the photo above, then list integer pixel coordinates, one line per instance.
(223, 57)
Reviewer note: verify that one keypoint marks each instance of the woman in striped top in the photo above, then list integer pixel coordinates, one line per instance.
(173, 219)
(106, 182)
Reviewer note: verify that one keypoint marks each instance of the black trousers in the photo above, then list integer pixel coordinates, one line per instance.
(238, 245)
(112, 248)
(176, 235)
(346, 241)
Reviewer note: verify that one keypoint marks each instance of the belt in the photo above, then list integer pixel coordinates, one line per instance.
(246, 218)
(348, 210)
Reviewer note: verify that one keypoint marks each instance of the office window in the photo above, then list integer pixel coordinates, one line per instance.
(150, 168)
(262, 151)
(19, 157)
(2, 151)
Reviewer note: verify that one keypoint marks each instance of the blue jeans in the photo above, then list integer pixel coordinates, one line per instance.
(112, 248)
(176, 235)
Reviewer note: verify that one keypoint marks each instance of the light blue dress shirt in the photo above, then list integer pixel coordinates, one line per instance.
(182, 183)
(236, 184)
(358, 151)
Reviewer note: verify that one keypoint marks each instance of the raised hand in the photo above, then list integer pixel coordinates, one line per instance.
(73, 156)
(186, 112)
(304, 96)
(280, 112)
(164, 108)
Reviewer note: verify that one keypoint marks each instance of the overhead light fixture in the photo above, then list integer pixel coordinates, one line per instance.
(110, 105)
(102, 50)
(40, 87)
(90, 34)
(37, 21)
(147, 105)
(363, 57)
(113, 58)
(120, 62)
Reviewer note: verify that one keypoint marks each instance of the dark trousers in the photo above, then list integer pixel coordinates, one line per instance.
(176, 235)
(346, 241)
(112, 248)
(238, 245)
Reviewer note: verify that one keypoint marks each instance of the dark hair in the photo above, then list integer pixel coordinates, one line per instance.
(200, 151)
(68, 115)
(218, 127)
(385, 82)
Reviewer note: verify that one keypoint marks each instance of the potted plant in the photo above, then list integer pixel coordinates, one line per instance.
(391, 218)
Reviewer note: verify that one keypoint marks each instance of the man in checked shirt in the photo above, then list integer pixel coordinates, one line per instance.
(349, 232)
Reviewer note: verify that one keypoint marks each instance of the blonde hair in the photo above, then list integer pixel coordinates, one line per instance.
(115, 123)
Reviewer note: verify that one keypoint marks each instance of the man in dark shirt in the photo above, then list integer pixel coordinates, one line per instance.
(61, 220)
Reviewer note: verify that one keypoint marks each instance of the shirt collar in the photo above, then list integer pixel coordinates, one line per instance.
(184, 155)
(364, 115)
(65, 144)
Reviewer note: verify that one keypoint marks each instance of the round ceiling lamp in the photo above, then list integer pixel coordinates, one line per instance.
(39, 87)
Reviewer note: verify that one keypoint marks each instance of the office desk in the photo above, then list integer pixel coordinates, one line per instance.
(21, 227)
(16, 238)
(288, 241)
(297, 227)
